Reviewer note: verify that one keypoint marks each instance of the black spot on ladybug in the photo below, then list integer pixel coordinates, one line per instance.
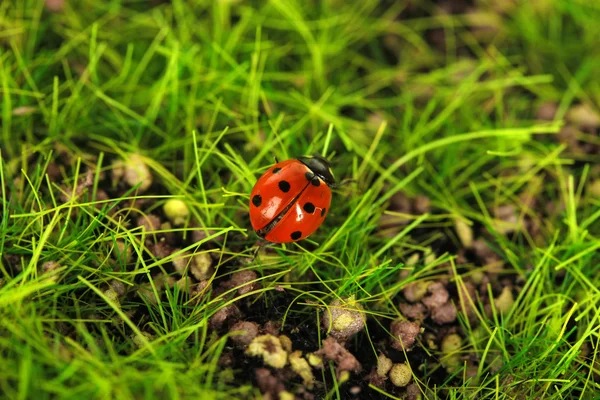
(309, 208)
(284, 186)
(316, 182)
(276, 170)
(323, 211)
(296, 235)
(309, 176)
(257, 200)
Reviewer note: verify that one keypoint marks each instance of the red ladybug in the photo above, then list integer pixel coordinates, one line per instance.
(291, 199)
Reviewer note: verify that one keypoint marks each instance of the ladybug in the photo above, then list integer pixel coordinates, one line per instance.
(291, 200)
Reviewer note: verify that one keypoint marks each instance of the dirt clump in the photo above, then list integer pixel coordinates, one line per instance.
(438, 296)
(160, 250)
(404, 334)
(444, 314)
(415, 291)
(334, 351)
(149, 222)
(246, 332)
(343, 318)
(268, 384)
(413, 392)
(198, 264)
(133, 171)
(245, 281)
(384, 364)
(546, 111)
(450, 347)
(402, 207)
(416, 311)
(228, 313)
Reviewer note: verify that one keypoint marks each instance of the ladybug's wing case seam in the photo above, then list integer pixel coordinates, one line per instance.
(275, 190)
(304, 216)
(267, 228)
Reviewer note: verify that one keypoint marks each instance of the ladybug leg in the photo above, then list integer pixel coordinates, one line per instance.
(255, 254)
(344, 183)
(276, 160)
(261, 244)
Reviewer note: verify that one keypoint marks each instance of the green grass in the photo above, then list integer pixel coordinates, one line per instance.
(208, 93)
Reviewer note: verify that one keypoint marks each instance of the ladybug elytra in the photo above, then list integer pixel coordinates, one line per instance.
(290, 201)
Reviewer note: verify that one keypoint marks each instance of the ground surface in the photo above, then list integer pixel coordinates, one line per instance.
(463, 262)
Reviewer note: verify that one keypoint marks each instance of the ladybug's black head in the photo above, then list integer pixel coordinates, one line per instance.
(320, 167)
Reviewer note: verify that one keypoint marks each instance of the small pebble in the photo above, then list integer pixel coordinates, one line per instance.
(176, 211)
(400, 375)
(384, 364)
